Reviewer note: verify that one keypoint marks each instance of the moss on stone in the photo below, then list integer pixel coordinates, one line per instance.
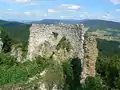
(64, 44)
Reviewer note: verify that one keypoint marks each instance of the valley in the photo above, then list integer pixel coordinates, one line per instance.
(74, 57)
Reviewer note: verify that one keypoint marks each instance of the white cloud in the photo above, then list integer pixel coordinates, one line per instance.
(27, 13)
(70, 7)
(45, 14)
(9, 9)
(51, 10)
(83, 16)
(23, 1)
(117, 10)
(23, 15)
(107, 16)
(115, 1)
(65, 17)
(31, 4)
(26, 2)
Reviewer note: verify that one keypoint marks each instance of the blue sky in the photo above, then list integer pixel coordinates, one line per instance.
(59, 9)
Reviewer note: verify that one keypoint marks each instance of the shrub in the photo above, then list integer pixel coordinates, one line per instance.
(7, 41)
(6, 58)
(12, 72)
(72, 71)
(93, 83)
(108, 64)
(64, 44)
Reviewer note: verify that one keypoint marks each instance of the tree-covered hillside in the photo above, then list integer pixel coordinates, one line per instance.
(101, 24)
(96, 24)
(17, 31)
(108, 64)
(20, 31)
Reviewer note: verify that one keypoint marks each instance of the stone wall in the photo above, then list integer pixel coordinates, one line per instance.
(91, 54)
(44, 39)
(16, 51)
(59, 42)
(1, 43)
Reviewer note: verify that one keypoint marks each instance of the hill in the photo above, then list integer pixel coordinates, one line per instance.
(20, 31)
(16, 30)
(101, 24)
(96, 27)
(98, 24)
(57, 21)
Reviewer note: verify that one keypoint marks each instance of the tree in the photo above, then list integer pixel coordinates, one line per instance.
(93, 83)
(7, 41)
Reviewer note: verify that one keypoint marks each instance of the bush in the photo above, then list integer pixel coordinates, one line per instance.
(7, 41)
(108, 64)
(18, 73)
(93, 83)
(64, 44)
(6, 58)
(12, 72)
(72, 70)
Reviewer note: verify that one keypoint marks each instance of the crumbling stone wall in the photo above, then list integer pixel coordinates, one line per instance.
(90, 57)
(1, 43)
(44, 40)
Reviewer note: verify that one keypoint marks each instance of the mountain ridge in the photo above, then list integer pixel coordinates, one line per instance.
(20, 31)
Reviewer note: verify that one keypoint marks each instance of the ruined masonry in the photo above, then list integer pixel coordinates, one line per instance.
(45, 40)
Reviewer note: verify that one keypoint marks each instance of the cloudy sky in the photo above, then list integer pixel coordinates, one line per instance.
(59, 9)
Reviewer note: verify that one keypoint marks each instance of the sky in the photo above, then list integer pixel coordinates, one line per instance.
(32, 10)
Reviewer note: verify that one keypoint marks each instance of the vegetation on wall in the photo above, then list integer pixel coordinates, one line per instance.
(72, 71)
(64, 44)
(107, 69)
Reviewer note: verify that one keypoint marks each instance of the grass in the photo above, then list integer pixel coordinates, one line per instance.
(20, 72)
